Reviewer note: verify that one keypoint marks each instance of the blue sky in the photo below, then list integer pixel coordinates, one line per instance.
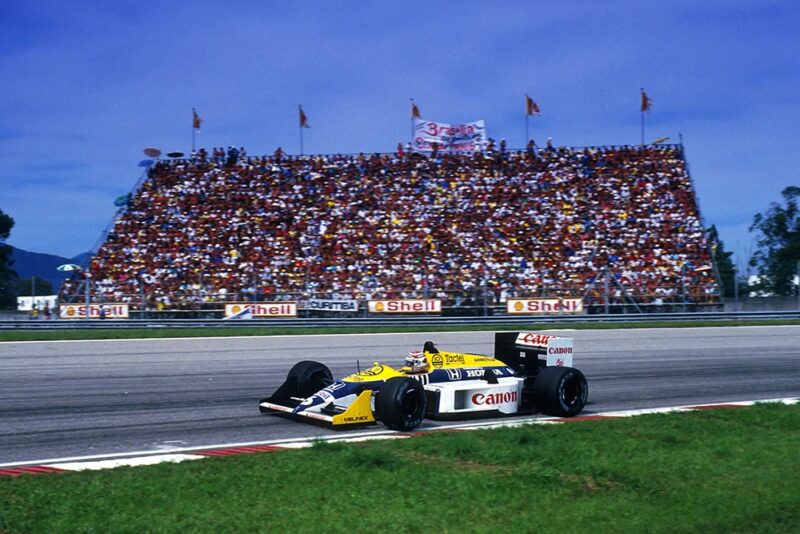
(86, 85)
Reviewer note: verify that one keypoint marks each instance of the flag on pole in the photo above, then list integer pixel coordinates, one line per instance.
(196, 120)
(647, 102)
(415, 114)
(531, 107)
(303, 118)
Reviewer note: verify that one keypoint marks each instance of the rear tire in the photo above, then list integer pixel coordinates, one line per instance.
(308, 377)
(401, 403)
(560, 391)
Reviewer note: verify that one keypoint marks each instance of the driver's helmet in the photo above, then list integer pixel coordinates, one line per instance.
(416, 361)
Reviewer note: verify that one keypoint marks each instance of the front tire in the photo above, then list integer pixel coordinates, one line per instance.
(401, 403)
(308, 377)
(560, 391)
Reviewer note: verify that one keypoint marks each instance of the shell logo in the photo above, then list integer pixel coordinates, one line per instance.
(518, 306)
(236, 309)
(379, 306)
(70, 311)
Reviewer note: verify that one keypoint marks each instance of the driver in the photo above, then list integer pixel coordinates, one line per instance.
(416, 362)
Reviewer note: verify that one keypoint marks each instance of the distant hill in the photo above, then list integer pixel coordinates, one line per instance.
(28, 264)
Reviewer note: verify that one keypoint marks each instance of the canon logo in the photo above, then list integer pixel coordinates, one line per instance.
(494, 398)
(559, 350)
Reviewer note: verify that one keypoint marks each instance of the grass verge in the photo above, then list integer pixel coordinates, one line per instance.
(144, 333)
(731, 470)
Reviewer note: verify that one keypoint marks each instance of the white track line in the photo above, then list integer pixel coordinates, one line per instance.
(135, 458)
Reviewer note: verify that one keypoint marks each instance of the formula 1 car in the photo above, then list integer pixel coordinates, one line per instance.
(528, 373)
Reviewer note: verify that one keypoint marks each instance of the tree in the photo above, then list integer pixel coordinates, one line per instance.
(778, 246)
(7, 275)
(722, 259)
(38, 285)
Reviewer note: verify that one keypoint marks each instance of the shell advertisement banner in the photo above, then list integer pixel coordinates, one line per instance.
(96, 311)
(543, 306)
(405, 306)
(263, 309)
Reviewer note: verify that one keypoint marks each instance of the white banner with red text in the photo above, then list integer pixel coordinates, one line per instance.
(542, 306)
(96, 311)
(453, 138)
(262, 309)
(405, 306)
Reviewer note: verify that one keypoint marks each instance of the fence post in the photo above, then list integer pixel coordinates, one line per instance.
(485, 297)
(544, 288)
(683, 286)
(88, 294)
(605, 290)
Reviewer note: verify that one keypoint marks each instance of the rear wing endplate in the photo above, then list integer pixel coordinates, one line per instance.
(526, 351)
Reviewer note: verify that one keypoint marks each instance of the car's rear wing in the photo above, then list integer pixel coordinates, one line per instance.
(527, 351)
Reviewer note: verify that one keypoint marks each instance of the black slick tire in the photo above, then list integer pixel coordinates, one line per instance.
(560, 391)
(308, 377)
(401, 403)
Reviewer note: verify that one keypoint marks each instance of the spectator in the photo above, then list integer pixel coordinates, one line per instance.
(525, 224)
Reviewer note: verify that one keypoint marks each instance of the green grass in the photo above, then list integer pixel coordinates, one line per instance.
(732, 470)
(142, 333)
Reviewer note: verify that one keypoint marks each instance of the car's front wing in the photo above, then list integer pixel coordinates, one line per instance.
(359, 412)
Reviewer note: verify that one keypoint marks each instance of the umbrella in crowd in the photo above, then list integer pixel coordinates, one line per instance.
(68, 267)
(152, 152)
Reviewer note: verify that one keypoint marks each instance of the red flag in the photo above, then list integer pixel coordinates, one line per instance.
(415, 114)
(647, 102)
(196, 120)
(303, 118)
(531, 107)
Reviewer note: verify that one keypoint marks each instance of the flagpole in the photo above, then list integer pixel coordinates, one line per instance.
(411, 141)
(527, 134)
(300, 111)
(642, 128)
(642, 110)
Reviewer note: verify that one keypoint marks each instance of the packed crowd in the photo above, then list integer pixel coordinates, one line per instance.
(556, 221)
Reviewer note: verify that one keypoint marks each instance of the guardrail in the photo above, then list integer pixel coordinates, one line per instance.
(390, 321)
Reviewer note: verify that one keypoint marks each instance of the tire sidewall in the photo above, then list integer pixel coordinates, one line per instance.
(560, 391)
(390, 406)
(309, 377)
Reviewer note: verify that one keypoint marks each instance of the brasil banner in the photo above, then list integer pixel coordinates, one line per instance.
(453, 138)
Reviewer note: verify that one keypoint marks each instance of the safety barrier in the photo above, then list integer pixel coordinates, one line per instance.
(393, 321)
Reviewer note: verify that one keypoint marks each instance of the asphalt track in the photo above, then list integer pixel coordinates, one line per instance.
(79, 398)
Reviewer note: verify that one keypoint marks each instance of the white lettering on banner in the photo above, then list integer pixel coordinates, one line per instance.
(467, 137)
(522, 306)
(263, 309)
(405, 306)
(96, 311)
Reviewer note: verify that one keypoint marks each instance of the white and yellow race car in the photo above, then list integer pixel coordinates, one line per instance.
(529, 373)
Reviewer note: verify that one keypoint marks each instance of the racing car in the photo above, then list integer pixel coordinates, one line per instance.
(528, 373)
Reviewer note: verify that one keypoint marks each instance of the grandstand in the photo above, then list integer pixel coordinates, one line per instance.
(613, 225)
